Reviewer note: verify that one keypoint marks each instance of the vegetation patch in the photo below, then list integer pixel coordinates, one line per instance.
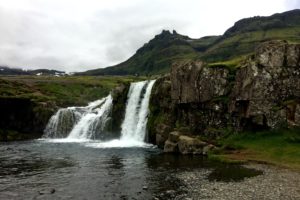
(280, 147)
(63, 91)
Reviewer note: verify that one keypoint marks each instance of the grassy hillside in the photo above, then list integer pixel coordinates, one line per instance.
(158, 54)
(63, 91)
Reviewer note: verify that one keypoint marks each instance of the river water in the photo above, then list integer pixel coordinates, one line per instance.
(53, 169)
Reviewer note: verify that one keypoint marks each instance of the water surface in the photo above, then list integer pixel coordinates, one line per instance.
(54, 169)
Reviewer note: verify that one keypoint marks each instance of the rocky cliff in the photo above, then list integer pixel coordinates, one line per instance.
(197, 100)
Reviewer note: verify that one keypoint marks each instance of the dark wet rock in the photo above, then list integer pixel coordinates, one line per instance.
(22, 118)
(119, 95)
(161, 117)
(174, 136)
(170, 147)
(162, 132)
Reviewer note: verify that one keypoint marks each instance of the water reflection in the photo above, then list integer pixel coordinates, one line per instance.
(33, 169)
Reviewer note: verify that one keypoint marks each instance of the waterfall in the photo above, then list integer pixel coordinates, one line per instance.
(80, 122)
(135, 121)
(92, 121)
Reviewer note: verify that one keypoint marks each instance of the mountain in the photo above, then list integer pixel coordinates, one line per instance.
(38, 72)
(156, 56)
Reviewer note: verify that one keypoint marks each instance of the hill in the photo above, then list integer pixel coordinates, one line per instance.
(156, 56)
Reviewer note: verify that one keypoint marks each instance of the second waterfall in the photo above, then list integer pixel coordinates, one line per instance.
(135, 121)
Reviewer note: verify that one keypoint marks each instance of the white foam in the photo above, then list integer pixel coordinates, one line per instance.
(118, 144)
(64, 140)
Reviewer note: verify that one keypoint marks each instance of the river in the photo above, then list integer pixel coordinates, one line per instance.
(54, 169)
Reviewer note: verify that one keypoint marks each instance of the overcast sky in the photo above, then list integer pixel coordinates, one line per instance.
(77, 35)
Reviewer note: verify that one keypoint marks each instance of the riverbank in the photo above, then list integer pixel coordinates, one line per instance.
(277, 147)
(274, 183)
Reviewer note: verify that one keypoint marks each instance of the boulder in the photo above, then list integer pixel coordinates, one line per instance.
(170, 147)
(174, 136)
(189, 145)
(160, 140)
(208, 148)
(162, 131)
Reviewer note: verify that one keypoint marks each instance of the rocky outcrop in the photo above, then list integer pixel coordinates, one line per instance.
(161, 117)
(194, 82)
(266, 92)
(179, 143)
(262, 93)
(119, 95)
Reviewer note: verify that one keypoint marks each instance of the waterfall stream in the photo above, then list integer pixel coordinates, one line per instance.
(91, 122)
(135, 121)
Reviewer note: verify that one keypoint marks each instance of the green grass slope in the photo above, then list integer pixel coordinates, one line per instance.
(62, 91)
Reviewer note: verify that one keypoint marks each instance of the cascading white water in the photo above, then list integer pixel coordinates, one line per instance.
(62, 123)
(79, 122)
(82, 123)
(134, 124)
(92, 122)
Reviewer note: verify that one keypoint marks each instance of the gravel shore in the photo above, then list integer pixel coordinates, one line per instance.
(275, 183)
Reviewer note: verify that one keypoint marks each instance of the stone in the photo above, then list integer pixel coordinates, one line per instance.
(174, 136)
(159, 140)
(162, 132)
(271, 54)
(208, 148)
(189, 145)
(293, 58)
(170, 147)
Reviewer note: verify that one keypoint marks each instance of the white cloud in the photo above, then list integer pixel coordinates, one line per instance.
(76, 35)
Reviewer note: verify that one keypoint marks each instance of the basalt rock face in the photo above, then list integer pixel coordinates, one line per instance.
(266, 92)
(200, 94)
(193, 82)
(161, 118)
(201, 100)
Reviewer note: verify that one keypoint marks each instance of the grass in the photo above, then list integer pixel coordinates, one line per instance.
(279, 147)
(63, 91)
(244, 43)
